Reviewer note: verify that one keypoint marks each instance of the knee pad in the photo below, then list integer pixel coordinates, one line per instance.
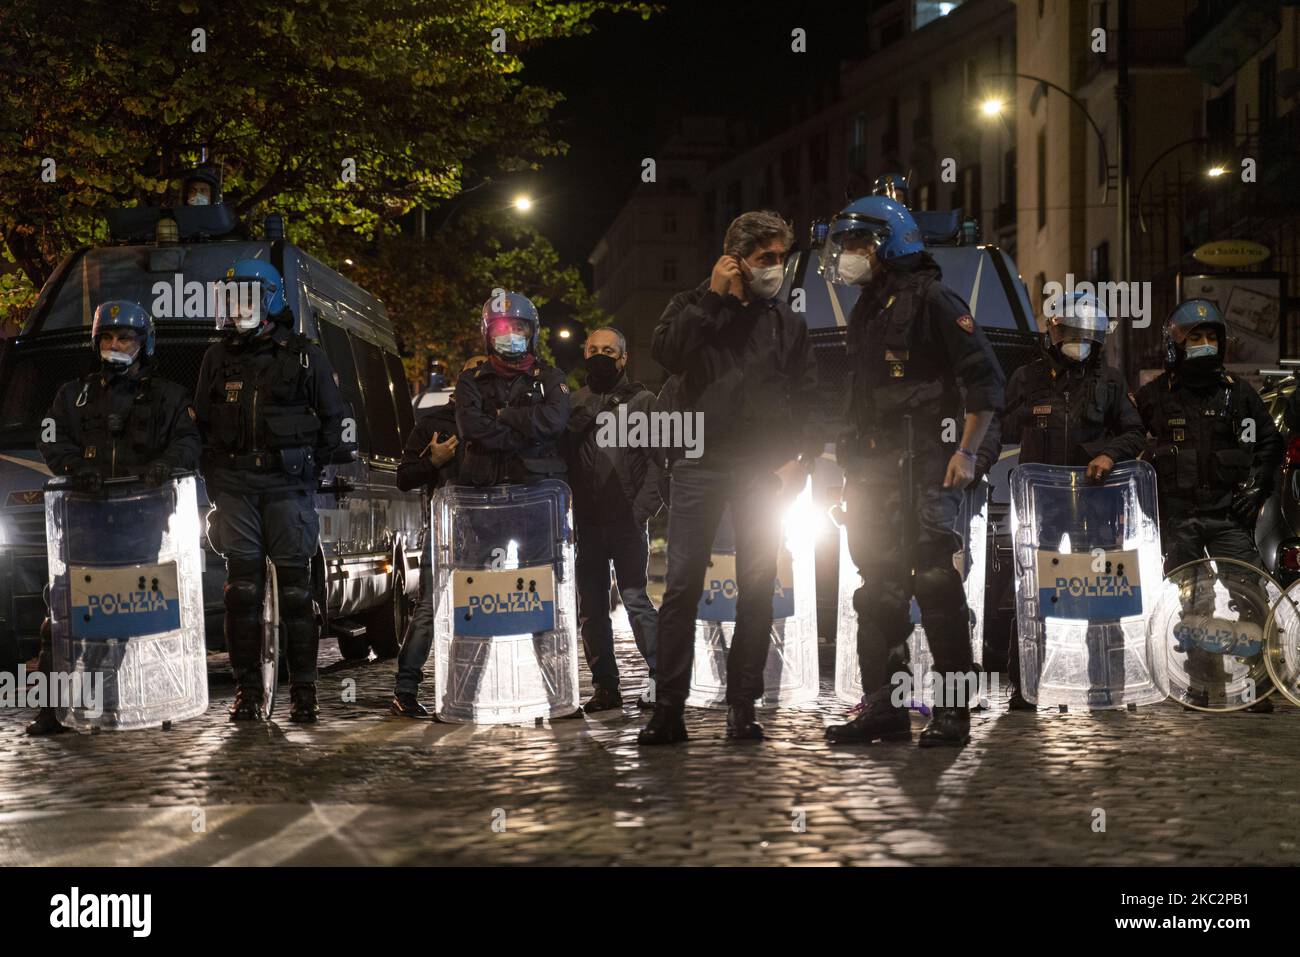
(245, 584)
(938, 589)
(294, 583)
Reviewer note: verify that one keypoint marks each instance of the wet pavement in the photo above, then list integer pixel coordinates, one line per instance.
(1155, 786)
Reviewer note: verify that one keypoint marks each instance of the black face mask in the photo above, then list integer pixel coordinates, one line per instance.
(602, 372)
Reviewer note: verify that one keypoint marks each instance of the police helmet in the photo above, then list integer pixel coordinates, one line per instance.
(499, 337)
(123, 314)
(269, 281)
(1078, 318)
(893, 185)
(880, 218)
(1186, 317)
(202, 174)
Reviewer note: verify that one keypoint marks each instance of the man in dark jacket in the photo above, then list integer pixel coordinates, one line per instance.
(271, 415)
(1216, 453)
(925, 387)
(615, 493)
(120, 420)
(1067, 407)
(430, 460)
(749, 378)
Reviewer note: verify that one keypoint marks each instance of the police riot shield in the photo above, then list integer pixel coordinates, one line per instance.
(126, 604)
(1087, 574)
(505, 621)
(269, 662)
(1282, 644)
(790, 674)
(1208, 631)
(972, 525)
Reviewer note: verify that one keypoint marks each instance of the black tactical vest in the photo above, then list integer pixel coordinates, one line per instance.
(119, 428)
(1199, 452)
(896, 373)
(259, 400)
(1064, 415)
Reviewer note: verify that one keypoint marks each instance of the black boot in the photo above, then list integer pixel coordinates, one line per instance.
(1262, 706)
(741, 725)
(666, 726)
(878, 719)
(248, 705)
(46, 723)
(603, 699)
(302, 703)
(406, 705)
(949, 726)
(1017, 701)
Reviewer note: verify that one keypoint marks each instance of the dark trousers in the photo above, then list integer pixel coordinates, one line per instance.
(284, 527)
(627, 546)
(893, 574)
(700, 493)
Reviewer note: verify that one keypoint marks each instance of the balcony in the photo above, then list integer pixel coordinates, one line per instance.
(1223, 34)
(1146, 47)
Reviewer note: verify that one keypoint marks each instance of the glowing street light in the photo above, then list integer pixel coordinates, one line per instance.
(992, 107)
(565, 333)
(523, 203)
(1215, 171)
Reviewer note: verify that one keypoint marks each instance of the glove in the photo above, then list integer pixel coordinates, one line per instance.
(156, 473)
(87, 478)
(1246, 502)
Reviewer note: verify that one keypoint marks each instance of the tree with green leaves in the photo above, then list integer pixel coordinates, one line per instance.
(103, 103)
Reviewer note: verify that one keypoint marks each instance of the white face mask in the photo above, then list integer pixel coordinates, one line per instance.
(113, 357)
(1200, 352)
(1077, 351)
(854, 268)
(198, 199)
(764, 282)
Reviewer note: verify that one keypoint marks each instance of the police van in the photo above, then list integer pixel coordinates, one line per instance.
(988, 280)
(366, 571)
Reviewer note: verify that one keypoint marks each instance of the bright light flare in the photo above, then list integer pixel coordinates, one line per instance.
(992, 107)
(1214, 171)
(565, 333)
(523, 203)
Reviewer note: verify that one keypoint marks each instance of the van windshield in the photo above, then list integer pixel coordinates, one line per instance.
(131, 272)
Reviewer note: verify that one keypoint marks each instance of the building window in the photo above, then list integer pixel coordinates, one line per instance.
(1267, 92)
(669, 271)
(818, 158)
(1101, 262)
(670, 221)
(972, 77)
(790, 172)
(858, 144)
(1042, 179)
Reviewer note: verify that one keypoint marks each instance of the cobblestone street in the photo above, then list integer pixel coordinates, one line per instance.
(366, 788)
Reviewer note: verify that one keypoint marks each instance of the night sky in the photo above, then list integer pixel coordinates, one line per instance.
(628, 82)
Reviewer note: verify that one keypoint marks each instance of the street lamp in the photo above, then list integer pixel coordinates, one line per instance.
(523, 203)
(992, 107)
(565, 333)
(1214, 171)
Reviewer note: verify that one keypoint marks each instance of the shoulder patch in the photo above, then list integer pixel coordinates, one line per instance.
(564, 387)
(966, 323)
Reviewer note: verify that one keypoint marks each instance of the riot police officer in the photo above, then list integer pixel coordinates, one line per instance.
(511, 410)
(119, 420)
(270, 413)
(914, 347)
(1213, 444)
(1068, 407)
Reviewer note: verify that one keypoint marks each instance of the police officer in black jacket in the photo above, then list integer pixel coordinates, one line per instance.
(1213, 444)
(117, 421)
(431, 458)
(1068, 407)
(747, 373)
(615, 493)
(914, 349)
(512, 410)
(271, 415)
